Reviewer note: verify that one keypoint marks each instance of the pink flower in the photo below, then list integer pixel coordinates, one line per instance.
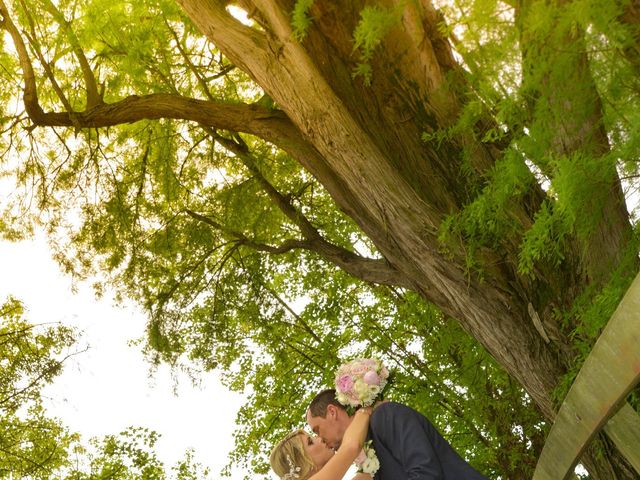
(371, 378)
(371, 363)
(359, 369)
(362, 456)
(344, 383)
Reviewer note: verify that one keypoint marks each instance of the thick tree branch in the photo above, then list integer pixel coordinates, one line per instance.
(271, 125)
(251, 119)
(376, 271)
(345, 259)
(247, 44)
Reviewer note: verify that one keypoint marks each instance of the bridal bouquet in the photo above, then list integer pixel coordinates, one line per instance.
(360, 382)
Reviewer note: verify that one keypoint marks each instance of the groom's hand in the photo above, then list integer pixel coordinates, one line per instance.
(362, 476)
(378, 403)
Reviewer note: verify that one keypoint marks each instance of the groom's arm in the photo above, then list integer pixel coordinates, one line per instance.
(404, 432)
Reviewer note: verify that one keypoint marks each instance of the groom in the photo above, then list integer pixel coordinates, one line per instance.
(408, 446)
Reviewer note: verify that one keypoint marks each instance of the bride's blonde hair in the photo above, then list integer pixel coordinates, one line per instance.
(289, 459)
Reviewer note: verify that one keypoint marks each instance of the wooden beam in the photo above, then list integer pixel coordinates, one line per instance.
(609, 373)
(624, 429)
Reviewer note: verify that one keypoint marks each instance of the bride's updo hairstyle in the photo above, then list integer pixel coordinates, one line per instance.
(289, 459)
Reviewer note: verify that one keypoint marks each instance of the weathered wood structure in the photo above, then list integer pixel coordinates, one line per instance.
(597, 398)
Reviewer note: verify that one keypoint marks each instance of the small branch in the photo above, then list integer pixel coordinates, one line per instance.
(165, 296)
(48, 371)
(292, 312)
(30, 92)
(93, 97)
(307, 229)
(201, 81)
(43, 61)
(242, 239)
(367, 269)
(371, 270)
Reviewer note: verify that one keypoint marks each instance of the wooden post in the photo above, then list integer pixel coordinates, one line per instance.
(609, 373)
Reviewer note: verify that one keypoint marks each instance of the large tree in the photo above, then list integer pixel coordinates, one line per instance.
(480, 147)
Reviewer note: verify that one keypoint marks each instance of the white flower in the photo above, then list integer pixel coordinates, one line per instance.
(371, 464)
(368, 463)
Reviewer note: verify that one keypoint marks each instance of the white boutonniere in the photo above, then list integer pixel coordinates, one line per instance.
(367, 461)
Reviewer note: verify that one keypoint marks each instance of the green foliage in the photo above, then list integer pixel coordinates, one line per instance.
(487, 220)
(300, 19)
(37, 446)
(189, 221)
(129, 455)
(577, 181)
(581, 184)
(31, 444)
(189, 469)
(365, 71)
(544, 240)
(374, 25)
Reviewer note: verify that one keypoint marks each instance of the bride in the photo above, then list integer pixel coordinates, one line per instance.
(305, 457)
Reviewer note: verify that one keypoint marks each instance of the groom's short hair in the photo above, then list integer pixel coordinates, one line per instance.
(318, 406)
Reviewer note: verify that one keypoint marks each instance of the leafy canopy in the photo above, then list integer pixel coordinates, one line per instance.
(240, 257)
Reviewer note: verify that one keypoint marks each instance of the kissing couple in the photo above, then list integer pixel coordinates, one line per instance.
(352, 424)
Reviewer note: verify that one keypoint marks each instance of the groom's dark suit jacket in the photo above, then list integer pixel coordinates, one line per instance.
(409, 447)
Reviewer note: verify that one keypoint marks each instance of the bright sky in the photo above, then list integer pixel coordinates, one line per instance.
(107, 388)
